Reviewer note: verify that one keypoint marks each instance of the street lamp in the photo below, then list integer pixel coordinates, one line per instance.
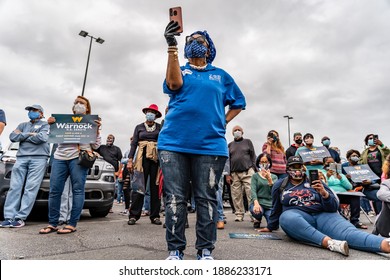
(288, 124)
(98, 40)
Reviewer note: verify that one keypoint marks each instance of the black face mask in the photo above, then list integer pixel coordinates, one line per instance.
(299, 141)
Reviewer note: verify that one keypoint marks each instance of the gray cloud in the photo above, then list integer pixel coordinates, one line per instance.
(323, 62)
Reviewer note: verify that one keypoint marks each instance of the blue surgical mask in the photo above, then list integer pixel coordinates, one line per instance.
(195, 50)
(150, 116)
(34, 115)
(326, 142)
(371, 142)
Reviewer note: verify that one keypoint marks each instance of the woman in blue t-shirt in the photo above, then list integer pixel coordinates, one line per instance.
(192, 145)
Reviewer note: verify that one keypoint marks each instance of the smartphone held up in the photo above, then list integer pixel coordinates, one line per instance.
(175, 14)
(313, 175)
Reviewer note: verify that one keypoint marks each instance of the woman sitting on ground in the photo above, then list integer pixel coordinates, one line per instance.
(308, 212)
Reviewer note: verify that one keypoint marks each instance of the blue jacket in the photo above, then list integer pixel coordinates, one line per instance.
(302, 197)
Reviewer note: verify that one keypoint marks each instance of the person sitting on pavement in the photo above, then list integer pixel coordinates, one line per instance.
(294, 146)
(29, 168)
(261, 185)
(333, 153)
(273, 146)
(308, 212)
(340, 184)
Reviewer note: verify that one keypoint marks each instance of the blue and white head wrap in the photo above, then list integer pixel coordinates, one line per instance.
(212, 50)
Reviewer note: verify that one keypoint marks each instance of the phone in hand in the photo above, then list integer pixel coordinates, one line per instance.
(333, 167)
(313, 175)
(176, 15)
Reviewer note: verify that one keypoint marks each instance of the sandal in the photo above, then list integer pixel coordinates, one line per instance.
(361, 225)
(66, 230)
(48, 229)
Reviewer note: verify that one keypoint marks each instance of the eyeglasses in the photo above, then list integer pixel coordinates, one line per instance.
(201, 39)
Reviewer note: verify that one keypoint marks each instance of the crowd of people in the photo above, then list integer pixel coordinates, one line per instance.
(186, 159)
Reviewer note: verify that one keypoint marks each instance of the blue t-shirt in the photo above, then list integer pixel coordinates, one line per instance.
(2, 117)
(195, 122)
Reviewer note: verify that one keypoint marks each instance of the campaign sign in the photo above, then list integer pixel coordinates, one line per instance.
(316, 153)
(73, 129)
(268, 235)
(359, 173)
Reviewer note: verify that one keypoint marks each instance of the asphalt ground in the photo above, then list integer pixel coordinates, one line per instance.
(110, 238)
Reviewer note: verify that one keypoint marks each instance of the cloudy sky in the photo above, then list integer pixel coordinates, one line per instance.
(325, 63)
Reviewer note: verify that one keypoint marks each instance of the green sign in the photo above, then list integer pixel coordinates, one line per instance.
(73, 129)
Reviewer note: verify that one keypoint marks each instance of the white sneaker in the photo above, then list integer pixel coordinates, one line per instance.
(205, 255)
(175, 256)
(338, 246)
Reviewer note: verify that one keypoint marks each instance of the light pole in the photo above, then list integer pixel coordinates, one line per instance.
(288, 124)
(98, 40)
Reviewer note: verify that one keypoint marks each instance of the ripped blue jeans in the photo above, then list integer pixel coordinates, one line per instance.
(204, 172)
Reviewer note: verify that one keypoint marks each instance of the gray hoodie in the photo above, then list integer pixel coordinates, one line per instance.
(32, 145)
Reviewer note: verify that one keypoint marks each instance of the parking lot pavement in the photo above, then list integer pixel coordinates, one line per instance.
(110, 238)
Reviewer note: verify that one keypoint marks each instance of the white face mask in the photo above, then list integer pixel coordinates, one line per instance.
(237, 134)
(79, 108)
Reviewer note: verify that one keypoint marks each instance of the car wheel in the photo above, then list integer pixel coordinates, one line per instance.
(99, 213)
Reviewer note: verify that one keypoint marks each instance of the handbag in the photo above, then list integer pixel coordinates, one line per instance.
(86, 159)
(138, 182)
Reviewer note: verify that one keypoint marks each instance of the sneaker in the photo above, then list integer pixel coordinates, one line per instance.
(239, 219)
(6, 223)
(131, 221)
(17, 223)
(175, 256)
(338, 246)
(205, 254)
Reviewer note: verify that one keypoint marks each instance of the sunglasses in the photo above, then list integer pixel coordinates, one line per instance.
(201, 39)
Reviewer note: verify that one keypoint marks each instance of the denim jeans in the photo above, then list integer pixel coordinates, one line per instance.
(66, 201)
(314, 227)
(61, 169)
(19, 203)
(371, 195)
(204, 171)
(266, 213)
(119, 191)
(221, 215)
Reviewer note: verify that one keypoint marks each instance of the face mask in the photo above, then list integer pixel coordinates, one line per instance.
(264, 166)
(326, 143)
(150, 116)
(371, 142)
(355, 159)
(33, 115)
(79, 108)
(296, 174)
(237, 134)
(195, 50)
(309, 141)
(299, 141)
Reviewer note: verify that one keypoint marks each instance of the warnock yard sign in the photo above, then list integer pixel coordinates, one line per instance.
(73, 129)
